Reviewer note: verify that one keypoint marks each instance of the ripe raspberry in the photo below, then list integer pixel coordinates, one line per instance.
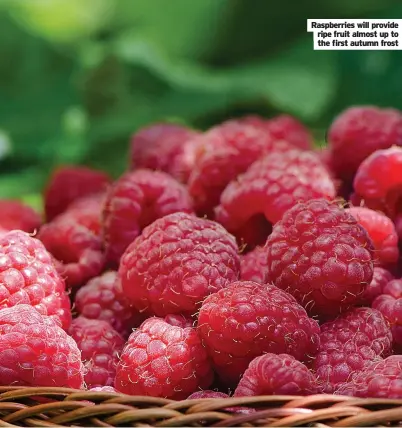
(271, 186)
(100, 346)
(381, 277)
(136, 200)
(73, 238)
(389, 303)
(35, 351)
(348, 344)
(246, 319)
(382, 379)
(28, 276)
(358, 132)
(176, 262)
(254, 266)
(70, 183)
(320, 254)
(381, 231)
(16, 215)
(162, 360)
(102, 298)
(378, 181)
(239, 146)
(272, 374)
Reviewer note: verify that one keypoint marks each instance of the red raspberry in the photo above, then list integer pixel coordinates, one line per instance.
(381, 231)
(100, 346)
(239, 146)
(348, 344)
(35, 351)
(176, 262)
(358, 132)
(389, 303)
(160, 147)
(162, 360)
(74, 240)
(102, 298)
(271, 186)
(254, 266)
(246, 320)
(382, 379)
(272, 374)
(320, 254)
(70, 183)
(378, 181)
(16, 215)
(28, 276)
(136, 200)
(381, 277)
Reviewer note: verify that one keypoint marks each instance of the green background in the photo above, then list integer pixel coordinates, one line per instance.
(77, 77)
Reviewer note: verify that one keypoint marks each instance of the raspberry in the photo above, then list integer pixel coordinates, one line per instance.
(320, 254)
(162, 360)
(70, 183)
(246, 319)
(272, 374)
(102, 298)
(348, 344)
(381, 231)
(381, 277)
(271, 186)
(160, 147)
(382, 379)
(239, 146)
(358, 132)
(35, 351)
(176, 262)
(28, 276)
(100, 346)
(378, 181)
(254, 267)
(16, 215)
(389, 303)
(135, 201)
(73, 238)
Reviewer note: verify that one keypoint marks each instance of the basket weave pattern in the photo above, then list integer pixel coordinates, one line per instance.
(50, 407)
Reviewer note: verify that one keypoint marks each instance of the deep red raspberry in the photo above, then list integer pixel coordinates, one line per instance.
(358, 132)
(246, 319)
(70, 183)
(382, 379)
(389, 303)
(136, 200)
(381, 277)
(102, 298)
(162, 360)
(320, 254)
(176, 262)
(378, 181)
(272, 374)
(100, 346)
(348, 344)
(74, 240)
(254, 266)
(16, 215)
(35, 351)
(28, 276)
(160, 147)
(178, 320)
(381, 231)
(271, 186)
(240, 145)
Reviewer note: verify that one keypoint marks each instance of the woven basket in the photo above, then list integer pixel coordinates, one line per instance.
(51, 407)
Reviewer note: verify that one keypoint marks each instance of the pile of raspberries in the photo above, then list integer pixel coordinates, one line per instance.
(237, 261)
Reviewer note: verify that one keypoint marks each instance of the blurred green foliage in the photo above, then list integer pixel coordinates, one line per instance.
(77, 77)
